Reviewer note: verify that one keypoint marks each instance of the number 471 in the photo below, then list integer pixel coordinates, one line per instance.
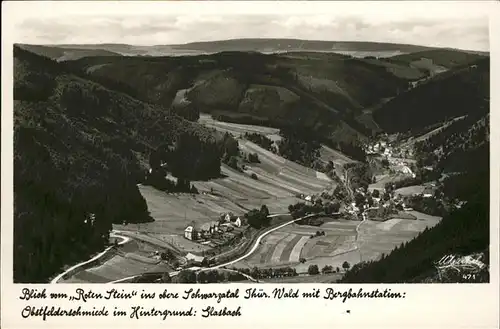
(468, 276)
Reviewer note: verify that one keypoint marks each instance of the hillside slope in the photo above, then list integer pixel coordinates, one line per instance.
(431, 59)
(460, 91)
(320, 91)
(79, 150)
(65, 54)
(265, 45)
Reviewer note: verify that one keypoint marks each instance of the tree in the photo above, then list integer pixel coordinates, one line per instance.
(346, 265)
(166, 278)
(254, 176)
(376, 193)
(255, 273)
(264, 210)
(233, 162)
(313, 269)
(167, 255)
(327, 269)
(257, 218)
(302, 260)
(359, 199)
(253, 158)
(186, 276)
(329, 166)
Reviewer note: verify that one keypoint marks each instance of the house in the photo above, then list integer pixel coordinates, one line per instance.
(210, 227)
(428, 192)
(308, 198)
(190, 233)
(236, 221)
(232, 219)
(194, 258)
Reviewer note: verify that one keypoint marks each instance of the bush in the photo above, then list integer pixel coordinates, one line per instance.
(313, 270)
(253, 158)
(254, 176)
(327, 269)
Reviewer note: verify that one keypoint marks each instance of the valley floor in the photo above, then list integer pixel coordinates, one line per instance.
(278, 183)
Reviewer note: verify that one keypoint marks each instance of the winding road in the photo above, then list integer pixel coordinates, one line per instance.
(257, 242)
(126, 239)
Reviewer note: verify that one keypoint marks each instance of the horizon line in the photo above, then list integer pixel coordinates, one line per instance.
(252, 38)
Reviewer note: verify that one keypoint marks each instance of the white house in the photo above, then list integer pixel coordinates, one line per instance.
(232, 219)
(189, 233)
(427, 192)
(227, 217)
(236, 221)
(195, 258)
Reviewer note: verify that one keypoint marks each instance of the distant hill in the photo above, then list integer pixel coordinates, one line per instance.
(438, 60)
(321, 91)
(65, 54)
(461, 91)
(356, 49)
(79, 151)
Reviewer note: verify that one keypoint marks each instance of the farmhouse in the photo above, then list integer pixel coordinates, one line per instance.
(194, 258)
(231, 218)
(428, 192)
(190, 233)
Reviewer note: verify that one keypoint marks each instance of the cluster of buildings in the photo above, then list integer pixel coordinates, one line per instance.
(226, 222)
(380, 147)
(371, 210)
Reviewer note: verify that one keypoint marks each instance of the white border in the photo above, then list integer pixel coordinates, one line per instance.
(427, 306)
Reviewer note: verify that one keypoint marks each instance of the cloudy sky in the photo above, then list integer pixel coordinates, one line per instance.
(444, 24)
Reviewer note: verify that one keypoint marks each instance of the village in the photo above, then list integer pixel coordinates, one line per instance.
(382, 201)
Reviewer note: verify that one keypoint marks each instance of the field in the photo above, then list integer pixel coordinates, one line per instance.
(384, 179)
(277, 184)
(236, 129)
(329, 154)
(321, 278)
(376, 238)
(278, 180)
(131, 259)
(410, 190)
(351, 241)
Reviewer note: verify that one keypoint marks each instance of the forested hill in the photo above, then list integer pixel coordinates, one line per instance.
(317, 91)
(460, 91)
(79, 150)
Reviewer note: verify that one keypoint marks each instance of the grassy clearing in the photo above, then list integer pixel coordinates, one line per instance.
(376, 238)
(173, 212)
(410, 190)
(329, 154)
(386, 178)
(235, 128)
(321, 278)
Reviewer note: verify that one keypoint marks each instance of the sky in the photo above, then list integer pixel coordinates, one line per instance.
(462, 25)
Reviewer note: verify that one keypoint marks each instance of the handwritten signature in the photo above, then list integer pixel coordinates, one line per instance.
(469, 264)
